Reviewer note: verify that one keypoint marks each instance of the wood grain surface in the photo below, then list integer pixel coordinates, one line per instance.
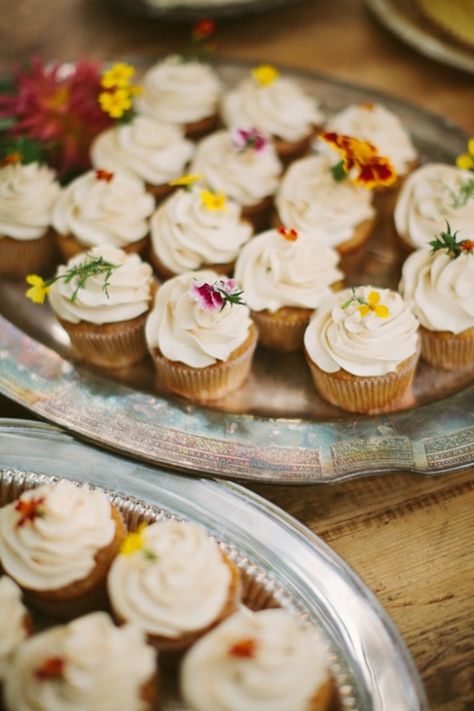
(409, 538)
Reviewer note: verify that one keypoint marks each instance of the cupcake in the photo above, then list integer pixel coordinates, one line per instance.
(278, 106)
(57, 543)
(430, 197)
(181, 92)
(102, 298)
(200, 336)
(197, 229)
(264, 660)
(86, 664)
(173, 581)
(244, 166)
(362, 349)
(102, 208)
(28, 194)
(285, 276)
(145, 148)
(15, 624)
(439, 286)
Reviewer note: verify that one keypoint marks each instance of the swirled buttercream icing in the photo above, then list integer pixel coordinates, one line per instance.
(185, 234)
(175, 583)
(154, 151)
(184, 331)
(377, 125)
(255, 660)
(440, 290)
(126, 295)
(101, 211)
(343, 335)
(13, 616)
(87, 664)
(431, 197)
(280, 108)
(247, 176)
(28, 194)
(276, 272)
(50, 536)
(310, 200)
(179, 92)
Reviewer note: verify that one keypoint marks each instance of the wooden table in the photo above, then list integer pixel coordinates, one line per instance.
(410, 538)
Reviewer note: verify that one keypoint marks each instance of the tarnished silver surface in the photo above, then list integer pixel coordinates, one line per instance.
(282, 561)
(276, 427)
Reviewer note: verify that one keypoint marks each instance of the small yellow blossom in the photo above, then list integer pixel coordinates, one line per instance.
(39, 289)
(373, 305)
(186, 180)
(466, 160)
(117, 76)
(135, 542)
(213, 201)
(265, 74)
(115, 103)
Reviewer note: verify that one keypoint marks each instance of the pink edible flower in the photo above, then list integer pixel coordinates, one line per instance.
(213, 297)
(243, 139)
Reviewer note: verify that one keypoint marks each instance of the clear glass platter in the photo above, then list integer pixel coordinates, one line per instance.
(372, 667)
(274, 428)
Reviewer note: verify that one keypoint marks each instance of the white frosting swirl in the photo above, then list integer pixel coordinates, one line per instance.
(183, 331)
(440, 290)
(145, 148)
(127, 295)
(179, 92)
(427, 201)
(104, 668)
(377, 125)
(362, 345)
(59, 546)
(280, 108)
(284, 673)
(100, 212)
(248, 176)
(183, 588)
(13, 617)
(275, 272)
(28, 194)
(185, 234)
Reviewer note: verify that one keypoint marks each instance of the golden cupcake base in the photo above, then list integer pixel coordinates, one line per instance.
(18, 258)
(282, 330)
(446, 350)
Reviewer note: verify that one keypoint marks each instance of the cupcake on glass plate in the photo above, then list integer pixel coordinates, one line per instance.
(28, 193)
(285, 276)
(439, 285)
(103, 208)
(200, 336)
(15, 624)
(264, 660)
(57, 543)
(196, 229)
(86, 664)
(173, 580)
(242, 164)
(433, 195)
(362, 347)
(276, 105)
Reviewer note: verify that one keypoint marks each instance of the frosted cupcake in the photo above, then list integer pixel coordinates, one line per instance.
(285, 276)
(362, 349)
(264, 660)
(200, 336)
(243, 165)
(196, 229)
(102, 299)
(432, 196)
(102, 208)
(173, 581)
(439, 286)
(57, 543)
(86, 664)
(28, 194)
(278, 106)
(145, 148)
(15, 624)
(185, 93)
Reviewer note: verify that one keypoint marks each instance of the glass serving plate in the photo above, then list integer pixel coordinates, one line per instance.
(275, 427)
(284, 563)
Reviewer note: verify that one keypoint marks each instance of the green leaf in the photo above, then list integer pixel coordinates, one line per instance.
(338, 171)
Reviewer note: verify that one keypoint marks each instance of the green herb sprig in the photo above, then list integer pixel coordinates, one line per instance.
(448, 241)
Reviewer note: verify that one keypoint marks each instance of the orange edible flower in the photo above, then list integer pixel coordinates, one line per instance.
(29, 509)
(244, 648)
(289, 234)
(11, 159)
(467, 245)
(51, 668)
(203, 29)
(374, 170)
(367, 105)
(104, 175)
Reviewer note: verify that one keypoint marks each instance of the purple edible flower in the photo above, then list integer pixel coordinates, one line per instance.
(243, 139)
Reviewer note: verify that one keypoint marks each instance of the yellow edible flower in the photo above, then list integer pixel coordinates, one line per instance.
(373, 305)
(213, 201)
(186, 180)
(466, 160)
(134, 542)
(117, 76)
(115, 103)
(265, 74)
(39, 289)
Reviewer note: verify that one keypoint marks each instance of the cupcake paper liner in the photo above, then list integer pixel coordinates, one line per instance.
(447, 350)
(18, 258)
(283, 330)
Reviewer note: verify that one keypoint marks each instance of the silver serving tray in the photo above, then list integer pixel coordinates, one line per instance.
(275, 428)
(284, 563)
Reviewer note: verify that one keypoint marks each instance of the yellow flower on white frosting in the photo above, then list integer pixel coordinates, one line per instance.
(265, 74)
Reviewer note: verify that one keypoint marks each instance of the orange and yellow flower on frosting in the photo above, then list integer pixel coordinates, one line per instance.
(186, 181)
(373, 170)
(466, 160)
(117, 99)
(135, 542)
(213, 201)
(288, 233)
(265, 74)
(371, 305)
